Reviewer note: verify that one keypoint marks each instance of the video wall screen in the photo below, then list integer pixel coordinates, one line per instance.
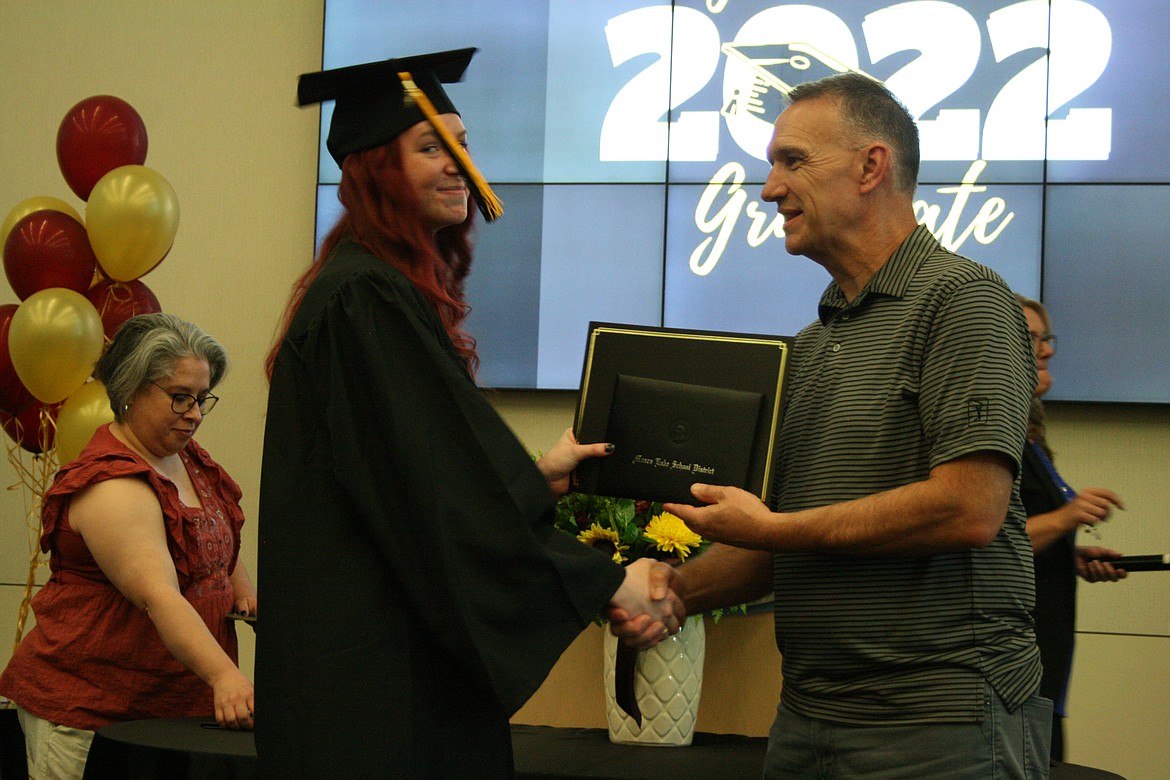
(627, 140)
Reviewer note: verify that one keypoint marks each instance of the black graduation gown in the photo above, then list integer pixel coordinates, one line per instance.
(415, 590)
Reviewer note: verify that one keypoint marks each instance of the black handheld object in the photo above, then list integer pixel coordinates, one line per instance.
(1140, 562)
(681, 406)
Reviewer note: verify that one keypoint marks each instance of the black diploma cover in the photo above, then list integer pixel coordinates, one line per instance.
(680, 406)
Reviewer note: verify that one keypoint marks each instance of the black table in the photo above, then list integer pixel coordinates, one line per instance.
(171, 749)
(183, 749)
(12, 763)
(547, 753)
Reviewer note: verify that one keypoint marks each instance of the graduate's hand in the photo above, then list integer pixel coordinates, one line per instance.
(558, 463)
(648, 606)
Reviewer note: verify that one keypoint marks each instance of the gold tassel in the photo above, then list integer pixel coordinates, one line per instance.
(485, 199)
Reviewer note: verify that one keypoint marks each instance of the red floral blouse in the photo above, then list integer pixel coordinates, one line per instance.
(94, 658)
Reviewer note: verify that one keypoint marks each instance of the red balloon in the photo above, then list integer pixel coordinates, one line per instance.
(99, 134)
(48, 249)
(25, 428)
(14, 396)
(117, 302)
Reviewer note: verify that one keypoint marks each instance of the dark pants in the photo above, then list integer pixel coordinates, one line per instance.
(1004, 746)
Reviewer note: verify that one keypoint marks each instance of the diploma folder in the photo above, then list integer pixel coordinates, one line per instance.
(680, 406)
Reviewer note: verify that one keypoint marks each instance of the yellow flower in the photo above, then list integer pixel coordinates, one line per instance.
(604, 539)
(671, 534)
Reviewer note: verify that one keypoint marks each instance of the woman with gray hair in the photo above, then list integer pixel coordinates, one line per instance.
(143, 533)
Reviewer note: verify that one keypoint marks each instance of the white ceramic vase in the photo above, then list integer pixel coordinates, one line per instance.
(668, 681)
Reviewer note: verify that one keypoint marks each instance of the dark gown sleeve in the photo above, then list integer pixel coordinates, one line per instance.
(434, 488)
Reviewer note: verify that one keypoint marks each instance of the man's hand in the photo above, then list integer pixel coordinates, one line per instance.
(731, 515)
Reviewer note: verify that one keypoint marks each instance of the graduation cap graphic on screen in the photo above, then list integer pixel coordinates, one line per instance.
(376, 101)
(773, 70)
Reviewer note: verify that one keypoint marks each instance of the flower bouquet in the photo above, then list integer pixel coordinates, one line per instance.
(627, 529)
(663, 684)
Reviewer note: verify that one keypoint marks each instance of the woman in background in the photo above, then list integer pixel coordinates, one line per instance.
(1055, 512)
(143, 536)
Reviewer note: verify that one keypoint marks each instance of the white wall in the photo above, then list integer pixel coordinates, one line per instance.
(214, 82)
(1119, 698)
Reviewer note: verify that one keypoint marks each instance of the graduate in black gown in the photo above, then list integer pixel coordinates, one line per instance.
(416, 590)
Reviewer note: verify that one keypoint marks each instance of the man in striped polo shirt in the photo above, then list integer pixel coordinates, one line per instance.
(897, 553)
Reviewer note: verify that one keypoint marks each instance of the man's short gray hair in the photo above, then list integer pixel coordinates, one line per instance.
(871, 112)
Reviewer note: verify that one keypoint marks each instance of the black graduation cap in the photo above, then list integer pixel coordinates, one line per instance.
(377, 101)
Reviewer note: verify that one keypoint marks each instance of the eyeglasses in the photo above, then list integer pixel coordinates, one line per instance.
(1043, 338)
(181, 403)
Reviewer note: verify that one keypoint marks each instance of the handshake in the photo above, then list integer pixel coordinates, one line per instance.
(648, 606)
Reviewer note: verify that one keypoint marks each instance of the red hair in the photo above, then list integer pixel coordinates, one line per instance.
(381, 215)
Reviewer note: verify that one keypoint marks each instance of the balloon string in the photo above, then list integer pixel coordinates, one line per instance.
(22, 614)
(34, 478)
(118, 291)
(47, 438)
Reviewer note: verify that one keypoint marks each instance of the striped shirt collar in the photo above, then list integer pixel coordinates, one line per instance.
(891, 280)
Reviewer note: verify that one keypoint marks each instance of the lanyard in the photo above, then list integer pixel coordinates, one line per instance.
(1065, 490)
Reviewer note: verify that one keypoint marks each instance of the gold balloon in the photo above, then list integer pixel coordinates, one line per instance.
(54, 339)
(86, 408)
(131, 216)
(28, 206)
